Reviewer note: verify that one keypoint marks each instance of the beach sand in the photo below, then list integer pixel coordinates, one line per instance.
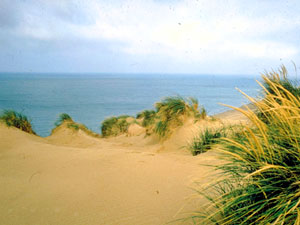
(71, 178)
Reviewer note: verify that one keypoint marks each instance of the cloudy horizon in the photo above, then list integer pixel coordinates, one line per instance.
(148, 36)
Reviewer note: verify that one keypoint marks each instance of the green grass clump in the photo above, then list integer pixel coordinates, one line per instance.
(114, 126)
(62, 118)
(65, 118)
(172, 111)
(205, 140)
(259, 179)
(148, 117)
(16, 119)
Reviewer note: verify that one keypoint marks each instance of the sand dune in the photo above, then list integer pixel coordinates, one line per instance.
(72, 178)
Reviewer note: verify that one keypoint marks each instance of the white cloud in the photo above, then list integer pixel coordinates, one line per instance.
(187, 30)
(175, 29)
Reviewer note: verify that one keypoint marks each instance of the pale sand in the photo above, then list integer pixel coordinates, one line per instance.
(71, 178)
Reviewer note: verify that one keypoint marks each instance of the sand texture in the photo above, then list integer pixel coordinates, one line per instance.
(71, 178)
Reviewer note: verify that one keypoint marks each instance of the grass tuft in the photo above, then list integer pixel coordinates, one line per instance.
(62, 118)
(259, 180)
(18, 120)
(205, 140)
(65, 118)
(172, 111)
(115, 126)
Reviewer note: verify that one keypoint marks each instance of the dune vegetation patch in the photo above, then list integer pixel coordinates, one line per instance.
(148, 119)
(259, 180)
(65, 119)
(206, 139)
(170, 113)
(15, 119)
(114, 126)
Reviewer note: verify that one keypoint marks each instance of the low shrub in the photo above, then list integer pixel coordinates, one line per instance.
(114, 126)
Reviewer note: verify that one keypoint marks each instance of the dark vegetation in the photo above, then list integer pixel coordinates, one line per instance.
(114, 126)
(206, 140)
(15, 119)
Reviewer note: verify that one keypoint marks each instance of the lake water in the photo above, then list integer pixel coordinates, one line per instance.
(90, 98)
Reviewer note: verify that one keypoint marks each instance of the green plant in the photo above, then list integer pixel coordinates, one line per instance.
(16, 119)
(114, 126)
(205, 140)
(148, 117)
(74, 126)
(270, 84)
(172, 111)
(66, 119)
(62, 118)
(259, 179)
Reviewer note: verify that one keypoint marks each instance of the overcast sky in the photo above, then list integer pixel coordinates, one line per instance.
(149, 36)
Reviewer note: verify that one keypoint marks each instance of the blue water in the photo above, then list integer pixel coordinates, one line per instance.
(90, 98)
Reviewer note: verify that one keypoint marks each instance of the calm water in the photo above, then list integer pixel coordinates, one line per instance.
(90, 98)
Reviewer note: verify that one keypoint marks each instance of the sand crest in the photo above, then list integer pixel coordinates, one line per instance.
(72, 178)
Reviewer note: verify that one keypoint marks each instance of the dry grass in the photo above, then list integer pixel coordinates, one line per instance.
(259, 182)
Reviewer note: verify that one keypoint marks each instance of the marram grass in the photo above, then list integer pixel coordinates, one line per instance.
(114, 126)
(18, 120)
(172, 111)
(259, 181)
(67, 119)
(205, 140)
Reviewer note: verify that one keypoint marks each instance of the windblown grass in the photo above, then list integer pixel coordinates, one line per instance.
(148, 117)
(279, 78)
(66, 119)
(115, 126)
(18, 120)
(172, 111)
(260, 179)
(62, 118)
(205, 140)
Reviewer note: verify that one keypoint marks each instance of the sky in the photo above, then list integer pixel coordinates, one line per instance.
(149, 36)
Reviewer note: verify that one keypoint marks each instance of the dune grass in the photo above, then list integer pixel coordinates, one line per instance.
(114, 126)
(172, 111)
(204, 141)
(148, 117)
(280, 78)
(15, 119)
(64, 118)
(259, 181)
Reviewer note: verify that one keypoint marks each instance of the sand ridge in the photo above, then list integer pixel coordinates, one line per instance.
(71, 178)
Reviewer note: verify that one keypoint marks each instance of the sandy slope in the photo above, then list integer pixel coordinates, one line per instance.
(71, 178)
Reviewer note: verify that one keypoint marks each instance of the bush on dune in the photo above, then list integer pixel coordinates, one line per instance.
(114, 126)
(260, 178)
(16, 119)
